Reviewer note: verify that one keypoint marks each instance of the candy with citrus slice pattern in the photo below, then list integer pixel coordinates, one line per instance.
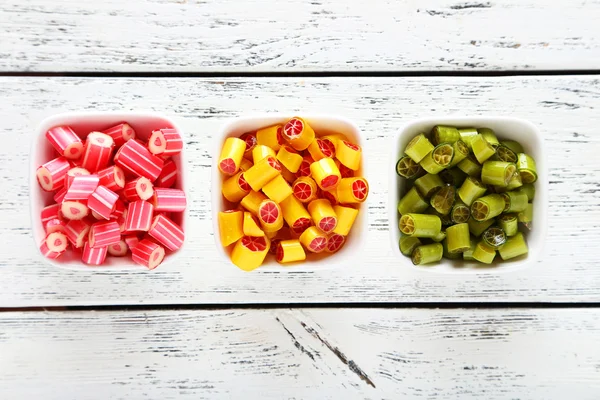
(310, 169)
(250, 252)
(250, 139)
(298, 133)
(231, 155)
(323, 214)
(321, 148)
(334, 242)
(349, 154)
(288, 251)
(313, 240)
(305, 189)
(270, 216)
(352, 190)
(406, 168)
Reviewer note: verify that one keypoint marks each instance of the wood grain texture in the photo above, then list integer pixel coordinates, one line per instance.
(564, 108)
(301, 354)
(271, 35)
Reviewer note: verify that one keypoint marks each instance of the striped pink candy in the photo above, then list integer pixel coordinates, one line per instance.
(93, 255)
(49, 213)
(168, 175)
(165, 142)
(104, 234)
(98, 151)
(65, 141)
(138, 189)
(82, 187)
(132, 241)
(148, 254)
(46, 252)
(133, 157)
(54, 245)
(72, 173)
(120, 133)
(103, 201)
(118, 249)
(118, 211)
(55, 225)
(51, 176)
(77, 232)
(167, 232)
(139, 216)
(170, 200)
(112, 178)
(60, 195)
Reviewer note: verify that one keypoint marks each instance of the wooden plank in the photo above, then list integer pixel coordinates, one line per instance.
(301, 354)
(271, 35)
(564, 108)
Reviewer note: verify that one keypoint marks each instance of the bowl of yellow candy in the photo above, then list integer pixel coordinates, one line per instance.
(289, 191)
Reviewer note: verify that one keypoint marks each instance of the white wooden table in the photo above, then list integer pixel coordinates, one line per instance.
(375, 330)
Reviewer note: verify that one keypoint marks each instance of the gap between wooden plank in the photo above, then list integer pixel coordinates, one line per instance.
(405, 305)
(307, 74)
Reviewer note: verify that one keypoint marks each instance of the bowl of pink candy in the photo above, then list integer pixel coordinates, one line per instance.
(108, 189)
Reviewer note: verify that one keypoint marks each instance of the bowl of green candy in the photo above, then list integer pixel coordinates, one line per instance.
(468, 194)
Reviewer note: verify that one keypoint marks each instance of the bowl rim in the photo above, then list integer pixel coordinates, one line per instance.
(332, 262)
(533, 255)
(55, 120)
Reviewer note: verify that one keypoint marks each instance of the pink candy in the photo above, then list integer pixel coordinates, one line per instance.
(112, 195)
(166, 232)
(93, 255)
(103, 201)
(139, 216)
(134, 158)
(98, 151)
(170, 200)
(65, 141)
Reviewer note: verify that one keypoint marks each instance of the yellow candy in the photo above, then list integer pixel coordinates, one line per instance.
(235, 188)
(250, 226)
(278, 189)
(313, 239)
(290, 251)
(334, 242)
(298, 133)
(321, 148)
(325, 173)
(249, 252)
(245, 165)
(349, 154)
(352, 190)
(305, 189)
(231, 155)
(289, 158)
(259, 152)
(332, 196)
(287, 174)
(250, 139)
(294, 213)
(230, 226)
(335, 138)
(270, 137)
(262, 172)
(271, 235)
(252, 201)
(346, 217)
(270, 216)
(323, 215)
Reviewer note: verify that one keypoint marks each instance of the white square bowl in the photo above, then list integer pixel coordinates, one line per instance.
(84, 123)
(322, 125)
(506, 128)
